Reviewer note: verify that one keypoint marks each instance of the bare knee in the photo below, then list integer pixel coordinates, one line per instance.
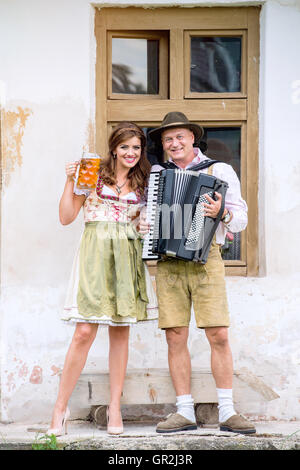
(84, 334)
(217, 337)
(119, 333)
(177, 337)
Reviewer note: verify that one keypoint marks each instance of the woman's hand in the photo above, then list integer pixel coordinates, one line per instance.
(71, 169)
(70, 203)
(143, 226)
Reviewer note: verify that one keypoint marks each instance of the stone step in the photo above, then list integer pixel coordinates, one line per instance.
(149, 393)
(154, 386)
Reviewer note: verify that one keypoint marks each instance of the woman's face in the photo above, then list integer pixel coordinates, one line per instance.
(128, 153)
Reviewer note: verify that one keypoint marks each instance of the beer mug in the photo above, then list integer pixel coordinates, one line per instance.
(87, 171)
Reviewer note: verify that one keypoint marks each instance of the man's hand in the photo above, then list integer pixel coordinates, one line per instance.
(213, 208)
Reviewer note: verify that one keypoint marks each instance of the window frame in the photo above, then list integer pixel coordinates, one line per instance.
(162, 37)
(205, 110)
(187, 56)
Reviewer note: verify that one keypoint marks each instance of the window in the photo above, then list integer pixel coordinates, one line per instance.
(137, 64)
(201, 61)
(215, 64)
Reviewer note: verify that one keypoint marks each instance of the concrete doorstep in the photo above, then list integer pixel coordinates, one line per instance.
(85, 435)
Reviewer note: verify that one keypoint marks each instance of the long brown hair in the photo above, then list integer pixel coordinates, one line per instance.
(138, 175)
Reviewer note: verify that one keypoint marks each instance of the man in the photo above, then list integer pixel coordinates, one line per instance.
(183, 283)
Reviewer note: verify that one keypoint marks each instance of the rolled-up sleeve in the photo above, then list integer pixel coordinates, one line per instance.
(233, 199)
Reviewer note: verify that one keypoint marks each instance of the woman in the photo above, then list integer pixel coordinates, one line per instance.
(109, 284)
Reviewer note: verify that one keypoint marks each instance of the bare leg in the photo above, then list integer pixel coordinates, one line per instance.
(118, 358)
(179, 359)
(82, 340)
(221, 357)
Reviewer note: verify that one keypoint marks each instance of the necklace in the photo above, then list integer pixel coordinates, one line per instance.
(119, 188)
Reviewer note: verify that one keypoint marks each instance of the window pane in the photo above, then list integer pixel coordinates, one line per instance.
(154, 153)
(224, 144)
(135, 66)
(216, 64)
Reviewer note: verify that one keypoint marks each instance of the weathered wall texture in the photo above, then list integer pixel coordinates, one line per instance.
(47, 58)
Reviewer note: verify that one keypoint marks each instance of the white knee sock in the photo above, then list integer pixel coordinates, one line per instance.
(226, 409)
(185, 407)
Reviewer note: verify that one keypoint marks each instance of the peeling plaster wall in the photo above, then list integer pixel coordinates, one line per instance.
(47, 58)
(47, 92)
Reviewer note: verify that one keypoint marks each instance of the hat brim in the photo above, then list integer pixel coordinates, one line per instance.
(197, 130)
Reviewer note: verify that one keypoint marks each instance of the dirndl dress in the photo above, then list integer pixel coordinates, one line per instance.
(110, 283)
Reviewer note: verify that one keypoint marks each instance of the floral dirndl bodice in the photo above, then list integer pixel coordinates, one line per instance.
(103, 205)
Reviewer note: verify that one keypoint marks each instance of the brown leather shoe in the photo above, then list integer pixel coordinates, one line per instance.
(174, 423)
(238, 424)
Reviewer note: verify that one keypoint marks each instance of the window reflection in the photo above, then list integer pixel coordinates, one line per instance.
(215, 64)
(135, 66)
(224, 144)
(154, 152)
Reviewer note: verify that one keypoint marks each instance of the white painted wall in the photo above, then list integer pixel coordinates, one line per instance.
(47, 58)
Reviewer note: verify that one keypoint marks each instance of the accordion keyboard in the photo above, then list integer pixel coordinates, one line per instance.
(150, 215)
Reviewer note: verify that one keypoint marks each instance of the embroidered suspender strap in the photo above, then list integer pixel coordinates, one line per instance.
(210, 170)
(199, 166)
(203, 165)
(168, 165)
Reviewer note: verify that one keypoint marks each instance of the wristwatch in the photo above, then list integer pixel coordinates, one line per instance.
(226, 217)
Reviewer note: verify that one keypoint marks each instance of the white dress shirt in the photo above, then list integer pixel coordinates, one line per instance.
(233, 199)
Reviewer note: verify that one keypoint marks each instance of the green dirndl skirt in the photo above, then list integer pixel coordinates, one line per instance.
(110, 282)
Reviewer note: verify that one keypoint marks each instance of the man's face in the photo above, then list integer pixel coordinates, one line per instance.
(178, 144)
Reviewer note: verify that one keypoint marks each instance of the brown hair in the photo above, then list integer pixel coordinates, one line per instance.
(138, 175)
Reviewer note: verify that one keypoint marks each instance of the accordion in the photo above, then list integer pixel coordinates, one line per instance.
(175, 212)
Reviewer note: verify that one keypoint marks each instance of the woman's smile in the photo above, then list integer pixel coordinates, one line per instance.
(128, 152)
(130, 159)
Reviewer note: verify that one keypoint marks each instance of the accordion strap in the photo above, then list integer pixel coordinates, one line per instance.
(198, 167)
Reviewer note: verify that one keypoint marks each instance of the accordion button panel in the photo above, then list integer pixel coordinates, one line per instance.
(150, 215)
